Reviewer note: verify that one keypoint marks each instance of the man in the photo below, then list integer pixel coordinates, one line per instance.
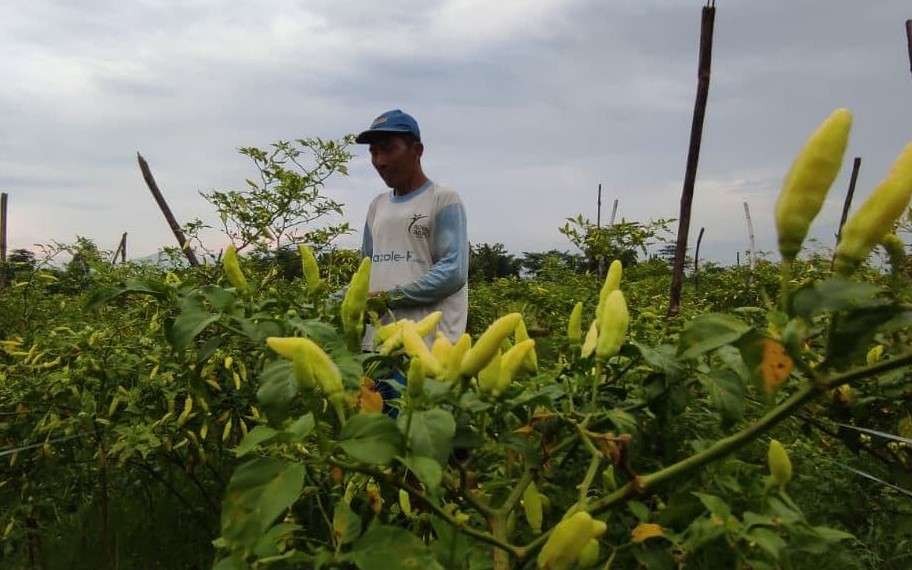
(415, 234)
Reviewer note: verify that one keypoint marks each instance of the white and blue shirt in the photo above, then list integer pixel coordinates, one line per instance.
(420, 254)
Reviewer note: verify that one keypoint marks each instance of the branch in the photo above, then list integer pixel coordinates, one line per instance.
(734, 442)
(391, 480)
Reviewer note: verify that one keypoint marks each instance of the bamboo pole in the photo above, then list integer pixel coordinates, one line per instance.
(175, 227)
(3, 200)
(614, 211)
(598, 224)
(752, 252)
(693, 155)
(847, 205)
(909, 41)
(697, 259)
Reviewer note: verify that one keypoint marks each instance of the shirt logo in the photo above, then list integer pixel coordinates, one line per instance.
(419, 230)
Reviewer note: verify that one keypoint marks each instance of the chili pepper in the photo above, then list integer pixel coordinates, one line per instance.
(233, 269)
(303, 372)
(354, 304)
(415, 379)
(532, 505)
(484, 349)
(780, 465)
(589, 555)
(324, 370)
(612, 283)
(454, 359)
(309, 268)
(405, 503)
(876, 216)
(441, 347)
(416, 348)
(896, 251)
(489, 376)
(574, 325)
(512, 361)
(612, 326)
(591, 340)
(427, 325)
(530, 362)
(809, 179)
(567, 541)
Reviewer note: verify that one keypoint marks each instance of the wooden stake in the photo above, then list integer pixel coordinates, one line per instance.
(3, 198)
(697, 259)
(909, 41)
(121, 250)
(175, 227)
(598, 225)
(738, 258)
(693, 155)
(614, 211)
(856, 165)
(750, 233)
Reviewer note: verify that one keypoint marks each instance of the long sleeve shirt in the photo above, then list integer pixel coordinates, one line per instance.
(420, 254)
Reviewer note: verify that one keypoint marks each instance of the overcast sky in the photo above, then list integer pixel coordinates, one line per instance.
(525, 105)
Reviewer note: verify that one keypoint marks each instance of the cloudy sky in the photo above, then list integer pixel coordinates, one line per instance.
(525, 105)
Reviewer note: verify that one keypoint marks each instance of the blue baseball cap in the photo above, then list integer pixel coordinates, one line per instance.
(394, 121)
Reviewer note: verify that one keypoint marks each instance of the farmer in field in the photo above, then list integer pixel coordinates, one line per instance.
(415, 234)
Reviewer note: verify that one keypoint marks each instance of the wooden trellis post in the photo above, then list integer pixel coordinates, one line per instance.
(693, 155)
(175, 227)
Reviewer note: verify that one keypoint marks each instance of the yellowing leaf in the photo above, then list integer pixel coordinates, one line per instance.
(775, 366)
(645, 531)
(369, 400)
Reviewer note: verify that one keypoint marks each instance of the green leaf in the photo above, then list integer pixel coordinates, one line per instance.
(431, 433)
(278, 387)
(766, 539)
(852, 333)
(392, 548)
(726, 392)
(301, 427)
(708, 332)
(452, 548)
(639, 510)
(346, 524)
(624, 421)
(220, 299)
(833, 295)
(428, 471)
(831, 534)
(255, 437)
(715, 505)
(188, 324)
(259, 491)
(371, 438)
(661, 358)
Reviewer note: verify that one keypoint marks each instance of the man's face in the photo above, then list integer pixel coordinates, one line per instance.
(396, 159)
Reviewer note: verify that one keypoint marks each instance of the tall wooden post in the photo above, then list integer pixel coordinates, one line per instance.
(909, 41)
(156, 193)
(693, 155)
(598, 225)
(697, 259)
(847, 205)
(3, 239)
(752, 252)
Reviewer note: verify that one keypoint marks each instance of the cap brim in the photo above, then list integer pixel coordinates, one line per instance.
(371, 135)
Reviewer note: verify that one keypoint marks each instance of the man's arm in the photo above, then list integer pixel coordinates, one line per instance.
(450, 272)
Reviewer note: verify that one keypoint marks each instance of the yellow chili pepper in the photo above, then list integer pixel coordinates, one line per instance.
(780, 465)
(877, 215)
(488, 343)
(416, 348)
(530, 363)
(574, 325)
(532, 505)
(310, 268)
(809, 179)
(233, 269)
(612, 326)
(591, 340)
(612, 283)
(354, 305)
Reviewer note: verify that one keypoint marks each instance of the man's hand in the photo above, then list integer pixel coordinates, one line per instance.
(378, 302)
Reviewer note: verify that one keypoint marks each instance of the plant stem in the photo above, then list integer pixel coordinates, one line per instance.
(517, 492)
(480, 535)
(596, 380)
(734, 442)
(785, 276)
